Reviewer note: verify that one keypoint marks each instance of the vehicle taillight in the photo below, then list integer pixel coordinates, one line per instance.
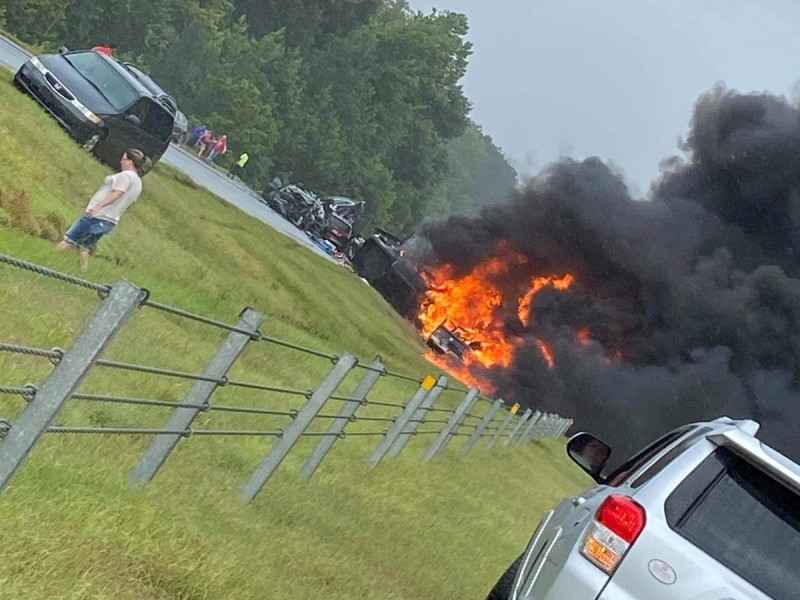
(617, 524)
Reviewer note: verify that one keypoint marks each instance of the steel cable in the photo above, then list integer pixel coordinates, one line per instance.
(102, 289)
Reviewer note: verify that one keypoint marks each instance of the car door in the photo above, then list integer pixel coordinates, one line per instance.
(146, 125)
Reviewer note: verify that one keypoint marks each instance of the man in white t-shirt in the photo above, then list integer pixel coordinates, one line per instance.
(106, 206)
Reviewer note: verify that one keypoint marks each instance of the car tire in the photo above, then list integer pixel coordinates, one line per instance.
(502, 589)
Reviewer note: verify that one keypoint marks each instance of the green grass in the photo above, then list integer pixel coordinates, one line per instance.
(70, 525)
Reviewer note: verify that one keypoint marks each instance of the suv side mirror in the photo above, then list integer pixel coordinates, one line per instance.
(589, 453)
(133, 119)
(63, 49)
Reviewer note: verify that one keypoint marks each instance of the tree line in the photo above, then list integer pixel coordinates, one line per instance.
(351, 97)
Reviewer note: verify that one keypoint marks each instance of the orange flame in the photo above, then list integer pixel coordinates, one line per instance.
(545, 350)
(473, 307)
(537, 283)
(584, 336)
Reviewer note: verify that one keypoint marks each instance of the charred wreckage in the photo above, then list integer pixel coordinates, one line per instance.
(328, 220)
(392, 265)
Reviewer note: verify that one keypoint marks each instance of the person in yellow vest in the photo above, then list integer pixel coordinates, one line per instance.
(237, 168)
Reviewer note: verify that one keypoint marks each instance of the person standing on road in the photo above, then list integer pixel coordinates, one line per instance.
(204, 142)
(237, 168)
(106, 206)
(219, 148)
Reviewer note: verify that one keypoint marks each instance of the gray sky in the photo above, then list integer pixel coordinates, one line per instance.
(617, 79)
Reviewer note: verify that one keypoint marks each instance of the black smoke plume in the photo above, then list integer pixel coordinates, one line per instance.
(692, 297)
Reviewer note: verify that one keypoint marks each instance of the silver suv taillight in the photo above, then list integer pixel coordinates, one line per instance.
(618, 522)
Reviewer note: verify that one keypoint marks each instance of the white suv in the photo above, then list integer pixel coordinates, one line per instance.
(707, 512)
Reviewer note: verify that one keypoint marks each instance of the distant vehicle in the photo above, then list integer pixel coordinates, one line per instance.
(180, 129)
(301, 207)
(376, 255)
(444, 341)
(100, 102)
(707, 511)
(341, 214)
(380, 262)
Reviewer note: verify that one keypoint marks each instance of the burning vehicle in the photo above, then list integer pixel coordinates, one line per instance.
(443, 340)
(381, 261)
(455, 313)
(384, 261)
(633, 315)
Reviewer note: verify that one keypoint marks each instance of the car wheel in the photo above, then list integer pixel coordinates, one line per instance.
(502, 589)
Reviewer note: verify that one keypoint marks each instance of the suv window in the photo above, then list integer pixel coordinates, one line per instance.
(743, 518)
(643, 456)
(668, 457)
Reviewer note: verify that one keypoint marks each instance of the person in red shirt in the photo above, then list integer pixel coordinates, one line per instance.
(107, 49)
(220, 147)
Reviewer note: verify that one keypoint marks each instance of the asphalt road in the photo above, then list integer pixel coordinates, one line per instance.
(236, 193)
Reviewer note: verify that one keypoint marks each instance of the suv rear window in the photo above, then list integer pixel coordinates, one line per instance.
(744, 519)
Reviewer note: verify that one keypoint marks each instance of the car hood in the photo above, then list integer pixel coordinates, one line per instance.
(85, 92)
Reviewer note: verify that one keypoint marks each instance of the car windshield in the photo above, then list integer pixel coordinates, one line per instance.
(104, 77)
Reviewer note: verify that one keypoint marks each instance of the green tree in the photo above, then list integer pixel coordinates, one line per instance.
(306, 22)
(40, 22)
(352, 97)
(477, 174)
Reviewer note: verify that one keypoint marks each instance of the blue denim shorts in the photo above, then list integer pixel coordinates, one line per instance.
(87, 231)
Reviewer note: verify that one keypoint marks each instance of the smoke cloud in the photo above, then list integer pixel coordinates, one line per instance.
(692, 297)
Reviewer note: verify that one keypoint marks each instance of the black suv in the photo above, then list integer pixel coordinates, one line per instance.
(100, 103)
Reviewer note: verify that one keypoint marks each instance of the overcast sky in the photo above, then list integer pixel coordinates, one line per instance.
(619, 78)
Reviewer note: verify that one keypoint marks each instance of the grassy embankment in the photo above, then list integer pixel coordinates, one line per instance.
(70, 526)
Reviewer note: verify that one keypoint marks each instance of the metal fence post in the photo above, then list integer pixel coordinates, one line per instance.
(531, 424)
(400, 422)
(292, 433)
(487, 418)
(548, 431)
(444, 437)
(500, 430)
(67, 375)
(525, 416)
(419, 415)
(198, 396)
(541, 424)
(348, 409)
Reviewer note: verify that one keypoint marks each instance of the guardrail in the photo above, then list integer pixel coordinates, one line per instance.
(365, 408)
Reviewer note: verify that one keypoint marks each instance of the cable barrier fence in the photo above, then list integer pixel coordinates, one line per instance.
(211, 379)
